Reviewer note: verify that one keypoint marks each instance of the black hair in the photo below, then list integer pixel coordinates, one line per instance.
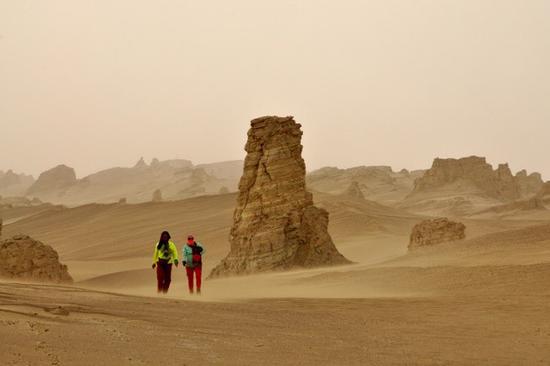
(163, 244)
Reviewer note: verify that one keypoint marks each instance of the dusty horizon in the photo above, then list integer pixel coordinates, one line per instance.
(95, 86)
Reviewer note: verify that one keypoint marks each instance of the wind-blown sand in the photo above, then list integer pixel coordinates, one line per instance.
(481, 301)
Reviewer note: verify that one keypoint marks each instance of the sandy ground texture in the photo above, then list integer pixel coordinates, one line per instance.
(484, 301)
(51, 325)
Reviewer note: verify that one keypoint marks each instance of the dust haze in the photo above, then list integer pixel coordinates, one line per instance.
(369, 181)
(403, 81)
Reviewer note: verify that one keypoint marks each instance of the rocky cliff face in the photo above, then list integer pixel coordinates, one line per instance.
(437, 231)
(53, 181)
(25, 258)
(474, 173)
(275, 225)
(529, 184)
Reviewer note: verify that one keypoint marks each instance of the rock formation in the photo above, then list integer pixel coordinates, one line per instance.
(275, 225)
(13, 184)
(544, 193)
(433, 232)
(123, 201)
(25, 258)
(52, 181)
(378, 183)
(471, 172)
(223, 190)
(157, 196)
(529, 184)
(141, 164)
(354, 191)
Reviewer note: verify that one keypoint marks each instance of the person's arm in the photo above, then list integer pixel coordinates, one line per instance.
(185, 255)
(155, 257)
(202, 249)
(175, 253)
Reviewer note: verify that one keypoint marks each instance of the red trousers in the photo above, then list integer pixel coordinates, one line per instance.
(198, 275)
(164, 276)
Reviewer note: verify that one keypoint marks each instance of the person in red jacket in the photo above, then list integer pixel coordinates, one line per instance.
(192, 260)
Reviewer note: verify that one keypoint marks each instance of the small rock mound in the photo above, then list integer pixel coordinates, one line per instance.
(22, 257)
(437, 231)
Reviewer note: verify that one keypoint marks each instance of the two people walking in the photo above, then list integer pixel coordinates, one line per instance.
(166, 255)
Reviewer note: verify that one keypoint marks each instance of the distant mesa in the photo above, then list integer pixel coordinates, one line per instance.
(22, 257)
(473, 170)
(477, 176)
(275, 225)
(436, 231)
(224, 190)
(122, 201)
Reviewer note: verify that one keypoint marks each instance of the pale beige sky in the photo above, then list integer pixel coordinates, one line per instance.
(96, 84)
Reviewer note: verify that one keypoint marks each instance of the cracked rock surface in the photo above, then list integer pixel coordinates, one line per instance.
(275, 225)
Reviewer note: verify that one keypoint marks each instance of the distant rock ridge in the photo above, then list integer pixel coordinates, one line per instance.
(22, 257)
(378, 183)
(178, 179)
(498, 184)
(436, 231)
(275, 225)
(13, 184)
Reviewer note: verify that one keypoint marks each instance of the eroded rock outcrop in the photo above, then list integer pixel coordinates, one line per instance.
(52, 181)
(275, 225)
(472, 172)
(22, 257)
(529, 184)
(436, 231)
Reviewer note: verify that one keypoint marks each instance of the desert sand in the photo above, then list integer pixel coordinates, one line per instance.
(483, 301)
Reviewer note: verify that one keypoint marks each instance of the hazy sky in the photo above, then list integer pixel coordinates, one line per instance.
(96, 84)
